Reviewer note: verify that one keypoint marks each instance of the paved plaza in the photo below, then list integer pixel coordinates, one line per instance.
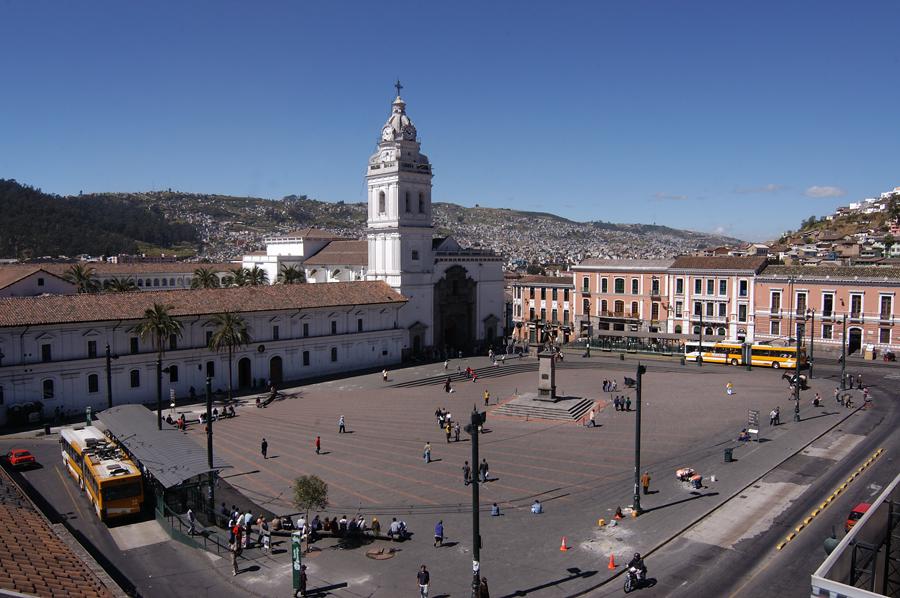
(579, 473)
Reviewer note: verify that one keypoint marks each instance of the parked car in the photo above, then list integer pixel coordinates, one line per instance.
(856, 514)
(20, 458)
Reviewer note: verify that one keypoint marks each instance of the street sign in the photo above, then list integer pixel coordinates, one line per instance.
(296, 545)
(753, 421)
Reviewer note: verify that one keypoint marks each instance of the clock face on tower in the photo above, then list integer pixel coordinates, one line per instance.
(409, 132)
(387, 133)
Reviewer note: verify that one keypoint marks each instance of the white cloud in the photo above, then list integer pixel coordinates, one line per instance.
(818, 191)
(770, 188)
(671, 196)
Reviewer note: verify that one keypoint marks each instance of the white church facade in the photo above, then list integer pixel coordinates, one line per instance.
(454, 295)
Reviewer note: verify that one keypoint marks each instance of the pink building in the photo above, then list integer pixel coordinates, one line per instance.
(801, 301)
(621, 295)
(542, 303)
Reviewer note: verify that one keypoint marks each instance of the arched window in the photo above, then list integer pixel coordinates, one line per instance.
(48, 389)
(634, 286)
(381, 203)
(696, 330)
(173, 373)
(677, 328)
(708, 330)
(140, 282)
(634, 309)
(334, 354)
(93, 383)
(604, 306)
(148, 283)
(165, 282)
(156, 282)
(135, 378)
(619, 286)
(721, 332)
(421, 203)
(407, 202)
(619, 308)
(171, 282)
(586, 306)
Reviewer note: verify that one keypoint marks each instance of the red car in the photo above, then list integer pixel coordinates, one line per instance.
(20, 458)
(856, 514)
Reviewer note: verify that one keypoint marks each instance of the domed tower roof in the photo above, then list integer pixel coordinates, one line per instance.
(398, 126)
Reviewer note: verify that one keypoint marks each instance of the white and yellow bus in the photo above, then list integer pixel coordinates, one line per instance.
(732, 353)
(111, 480)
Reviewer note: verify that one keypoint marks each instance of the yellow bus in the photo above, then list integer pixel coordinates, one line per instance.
(111, 480)
(733, 353)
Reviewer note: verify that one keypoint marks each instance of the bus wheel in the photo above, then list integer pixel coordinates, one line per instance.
(734, 362)
(775, 365)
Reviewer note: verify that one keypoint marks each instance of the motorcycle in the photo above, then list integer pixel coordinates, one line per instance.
(634, 579)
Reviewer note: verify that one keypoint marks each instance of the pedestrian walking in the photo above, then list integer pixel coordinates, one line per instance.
(264, 448)
(342, 427)
(456, 431)
(772, 417)
(483, 470)
(266, 534)
(192, 522)
(483, 591)
(318, 444)
(487, 397)
(439, 533)
(627, 403)
(474, 375)
(446, 364)
(447, 388)
(303, 581)
(467, 473)
(427, 452)
(423, 578)
(236, 549)
(858, 380)
(384, 374)
(615, 385)
(591, 422)
(645, 482)
(617, 403)
(448, 429)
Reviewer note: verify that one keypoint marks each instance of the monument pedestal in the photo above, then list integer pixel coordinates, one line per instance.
(546, 376)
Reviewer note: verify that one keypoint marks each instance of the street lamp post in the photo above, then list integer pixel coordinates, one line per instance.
(811, 313)
(797, 382)
(209, 449)
(588, 314)
(700, 348)
(637, 440)
(109, 358)
(844, 353)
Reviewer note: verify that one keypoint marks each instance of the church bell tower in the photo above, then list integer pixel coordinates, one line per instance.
(400, 223)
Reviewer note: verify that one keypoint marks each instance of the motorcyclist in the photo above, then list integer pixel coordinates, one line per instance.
(638, 563)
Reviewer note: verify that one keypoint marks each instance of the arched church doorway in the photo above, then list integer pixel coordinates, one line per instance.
(245, 375)
(275, 370)
(854, 340)
(454, 311)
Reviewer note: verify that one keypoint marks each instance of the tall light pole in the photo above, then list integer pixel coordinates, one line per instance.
(477, 419)
(109, 358)
(209, 450)
(797, 382)
(700, 348)
(791, 310)
(811, 313)
(637, 440)
(844, 353)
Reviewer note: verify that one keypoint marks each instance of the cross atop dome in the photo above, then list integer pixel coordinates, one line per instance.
(398, 86)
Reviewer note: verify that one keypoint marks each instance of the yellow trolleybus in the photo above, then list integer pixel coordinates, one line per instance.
(733, 353)
(111, 480)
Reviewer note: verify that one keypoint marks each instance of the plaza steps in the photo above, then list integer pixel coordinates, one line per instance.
(566, 410)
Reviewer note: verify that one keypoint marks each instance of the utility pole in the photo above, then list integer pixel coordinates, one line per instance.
(108, 377)
(797, 383)
(812, 340)
(844, 354)
(159, 392)
(637, 441)
(209, 450)
(476, 420)
(700, 348)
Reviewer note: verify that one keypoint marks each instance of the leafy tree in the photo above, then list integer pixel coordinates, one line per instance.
(310, 492)
(291, 275)
(83, 278)
(231, 333)
(205, 278)
(256, 276)
(889, 240)
(120, 285)
(237, 278)
(535, 269)
(158, 325)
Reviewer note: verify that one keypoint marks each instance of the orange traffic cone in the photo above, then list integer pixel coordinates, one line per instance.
(612, 561)
(563, 546)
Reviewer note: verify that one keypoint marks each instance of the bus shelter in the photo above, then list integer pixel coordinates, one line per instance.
(175, 468)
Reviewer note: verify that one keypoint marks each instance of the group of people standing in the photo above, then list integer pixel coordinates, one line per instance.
(482, 472)
(622, 403)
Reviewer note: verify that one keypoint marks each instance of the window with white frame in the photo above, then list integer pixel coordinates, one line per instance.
(884, 336)
(775, 328)
(827, 331)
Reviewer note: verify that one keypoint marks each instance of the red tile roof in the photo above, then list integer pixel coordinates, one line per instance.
(337, 253)
(693, 262)
(102, 307)
(33, 559)
(13, 274)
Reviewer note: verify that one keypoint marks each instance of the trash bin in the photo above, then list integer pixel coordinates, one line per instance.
(728, 455)
(46, 429)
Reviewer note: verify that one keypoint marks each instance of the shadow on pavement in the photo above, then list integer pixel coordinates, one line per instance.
(574, 573)
(683, 500)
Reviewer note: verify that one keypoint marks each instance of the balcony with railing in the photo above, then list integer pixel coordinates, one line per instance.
(619, 314)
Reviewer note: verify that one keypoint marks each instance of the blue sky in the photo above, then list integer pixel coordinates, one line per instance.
(718, 116)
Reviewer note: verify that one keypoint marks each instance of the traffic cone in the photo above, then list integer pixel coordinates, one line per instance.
(612, 562)
(563, 546)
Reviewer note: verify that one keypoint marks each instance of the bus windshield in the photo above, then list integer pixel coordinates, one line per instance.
(120, 491)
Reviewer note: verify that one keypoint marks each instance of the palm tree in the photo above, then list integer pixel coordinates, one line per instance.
(205, 278)
(120, 285)
(238, 278)
(291, 275)
(82, 277)
(257, 276)
(158, 325)
(231, 333)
